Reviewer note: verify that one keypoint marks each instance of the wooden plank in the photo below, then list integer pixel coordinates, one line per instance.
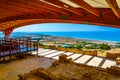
(65, 6)
(87, 7)
(114, 6)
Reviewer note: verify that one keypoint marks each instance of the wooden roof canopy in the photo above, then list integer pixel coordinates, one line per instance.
(17, 13)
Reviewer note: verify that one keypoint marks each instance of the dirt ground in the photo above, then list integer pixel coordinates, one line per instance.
(10, 71)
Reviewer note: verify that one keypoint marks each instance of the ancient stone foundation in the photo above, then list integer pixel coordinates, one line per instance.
(62, 59)
(112, 55)
(65, 69)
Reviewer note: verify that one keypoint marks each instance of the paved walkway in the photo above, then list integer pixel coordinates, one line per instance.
(77, 58)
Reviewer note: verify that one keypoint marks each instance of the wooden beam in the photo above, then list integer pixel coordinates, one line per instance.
(7, 32)
(48, 6)
(33, 6)
(6, 6)
(65, 6)
(87, 7)
(114, 6)
(23, 8)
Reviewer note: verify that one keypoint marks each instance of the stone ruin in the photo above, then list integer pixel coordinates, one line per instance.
(62, 59)
(114, 56)
(65, 69)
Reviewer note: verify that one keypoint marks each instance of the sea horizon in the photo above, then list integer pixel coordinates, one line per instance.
(107, 36)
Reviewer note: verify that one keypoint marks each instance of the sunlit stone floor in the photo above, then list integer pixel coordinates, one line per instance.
(77, 58)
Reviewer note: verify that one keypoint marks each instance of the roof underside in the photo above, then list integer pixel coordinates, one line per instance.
(17, 13)
(93, 3)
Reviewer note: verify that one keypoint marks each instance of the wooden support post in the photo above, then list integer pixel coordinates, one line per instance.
(7, 32)
(10, 55)
(11, 51)
(19, 44)
(0, 55)
(37, 47)
(30, 45)
(3, 57)
(27, 45)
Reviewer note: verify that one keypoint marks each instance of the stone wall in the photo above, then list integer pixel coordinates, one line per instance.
(74, 50)
(93, 53)
(112, 55)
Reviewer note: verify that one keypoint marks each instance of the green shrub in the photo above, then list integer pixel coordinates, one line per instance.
(94, 46)
(41, 44)
(105, 47)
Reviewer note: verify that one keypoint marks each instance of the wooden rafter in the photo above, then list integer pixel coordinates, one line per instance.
(114, 6)
(65, 6)
(48, 6)
(20, 7)
(87, 7)
(34, 6)
(11, 7)
(14, 13)
(10, 11)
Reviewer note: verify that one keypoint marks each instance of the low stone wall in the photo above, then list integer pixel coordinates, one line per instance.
(48, 47)
(93, 53)
(74, 50)
(112, 55)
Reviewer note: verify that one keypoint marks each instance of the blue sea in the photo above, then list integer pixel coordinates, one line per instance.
(92, 35)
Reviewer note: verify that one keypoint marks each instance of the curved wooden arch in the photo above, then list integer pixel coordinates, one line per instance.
(24, 12)
(86, 18)
(19, 23)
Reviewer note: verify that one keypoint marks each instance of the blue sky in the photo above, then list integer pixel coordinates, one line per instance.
(59, 27)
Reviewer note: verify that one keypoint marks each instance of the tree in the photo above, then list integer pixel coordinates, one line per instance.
(79, 47)
(94, 46)
(105, 46)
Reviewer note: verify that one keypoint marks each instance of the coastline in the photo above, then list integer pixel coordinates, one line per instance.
(56, 40)
(69, 40)
(61, 38)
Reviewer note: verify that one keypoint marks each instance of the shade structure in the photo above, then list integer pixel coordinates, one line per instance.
(17, 13)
